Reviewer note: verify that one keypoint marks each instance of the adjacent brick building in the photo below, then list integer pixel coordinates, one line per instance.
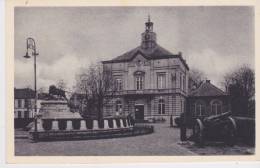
(207, 100)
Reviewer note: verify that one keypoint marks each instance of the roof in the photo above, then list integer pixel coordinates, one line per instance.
(25, 93)
(207, 89)
(45, 96)
(157, 52)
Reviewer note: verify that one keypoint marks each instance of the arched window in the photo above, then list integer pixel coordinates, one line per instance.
(216, 107)
(161, 106)
(118, 106)
(200, 108)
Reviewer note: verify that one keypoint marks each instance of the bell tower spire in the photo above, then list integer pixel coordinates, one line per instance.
(148, 37)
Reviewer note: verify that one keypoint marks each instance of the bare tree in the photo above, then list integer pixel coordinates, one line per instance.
(61, 85)
(196, 77)
(244, 78)
(42, 90)
(240, 84)
(96, 83)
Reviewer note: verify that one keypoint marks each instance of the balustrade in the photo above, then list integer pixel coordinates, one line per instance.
(69, 125)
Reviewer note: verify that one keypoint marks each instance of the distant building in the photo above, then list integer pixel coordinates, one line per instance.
(207, 100)
(24, 103)
(152, 82)
(23, 106)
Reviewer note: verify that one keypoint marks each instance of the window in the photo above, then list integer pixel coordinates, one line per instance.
(216, 107)
(181, 107)
(161, 81)
(118, 106)
(19, 114)
(161, 106)
(19, 103)
(180, 82)
(26, 103)
(26, 114)
(119, 84)
(183, 83)
(200, 108)
(139, 82)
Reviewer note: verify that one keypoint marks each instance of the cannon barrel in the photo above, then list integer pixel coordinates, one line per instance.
(218, 117)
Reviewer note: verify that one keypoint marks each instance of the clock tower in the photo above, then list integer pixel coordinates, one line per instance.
(148, 37)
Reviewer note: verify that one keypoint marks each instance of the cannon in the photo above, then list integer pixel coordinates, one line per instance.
(221, 127)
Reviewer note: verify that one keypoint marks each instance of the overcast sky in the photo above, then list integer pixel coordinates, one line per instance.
(214, 40)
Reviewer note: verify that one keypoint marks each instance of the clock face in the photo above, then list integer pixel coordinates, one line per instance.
(147, 36)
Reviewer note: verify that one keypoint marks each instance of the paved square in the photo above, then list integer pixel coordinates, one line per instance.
(162, 142)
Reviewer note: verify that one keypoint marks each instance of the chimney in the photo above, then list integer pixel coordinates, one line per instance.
(180, 54)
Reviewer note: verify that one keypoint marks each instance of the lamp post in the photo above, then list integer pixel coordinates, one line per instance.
(31, 50)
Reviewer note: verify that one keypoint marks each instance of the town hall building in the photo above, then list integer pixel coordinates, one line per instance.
(152, 82)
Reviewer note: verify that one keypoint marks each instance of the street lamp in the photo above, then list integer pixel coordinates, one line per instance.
(31, 51)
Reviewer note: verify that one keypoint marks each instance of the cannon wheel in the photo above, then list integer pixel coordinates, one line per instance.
(198, 131)
(230, 129)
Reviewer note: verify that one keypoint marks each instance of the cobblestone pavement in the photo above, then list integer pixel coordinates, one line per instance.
(164, 141)
(218, 148)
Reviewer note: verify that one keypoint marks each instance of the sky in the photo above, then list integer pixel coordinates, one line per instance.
(215, 40)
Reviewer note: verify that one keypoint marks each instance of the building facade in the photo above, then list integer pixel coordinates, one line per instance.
(207, 100)
(23, 107)
(24, 101)
(151, 81)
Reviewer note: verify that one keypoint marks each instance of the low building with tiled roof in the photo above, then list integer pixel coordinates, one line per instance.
(207, 89)
(207, 100)
(152, 81)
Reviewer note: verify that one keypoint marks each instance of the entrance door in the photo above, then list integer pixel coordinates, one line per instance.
(139, 112)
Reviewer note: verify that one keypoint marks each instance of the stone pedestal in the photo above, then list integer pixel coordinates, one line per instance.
(95, 124)
(114, 124)
(69, 125)
(106, 126)
(83, 125)
(55, 125)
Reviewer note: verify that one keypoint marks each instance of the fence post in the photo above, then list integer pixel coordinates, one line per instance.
(106, 126)
(95, 124)
(83, 125)
(69, 125)
(55, 125)
(121, 123)
(114, 123)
